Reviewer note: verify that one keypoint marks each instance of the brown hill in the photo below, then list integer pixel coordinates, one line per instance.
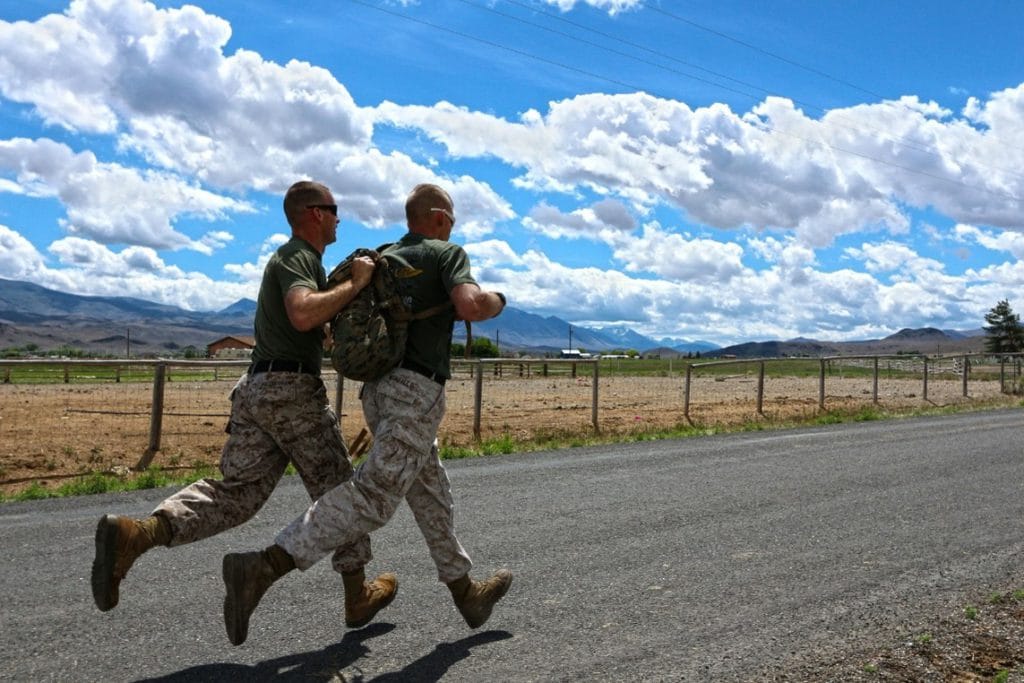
(927, 340)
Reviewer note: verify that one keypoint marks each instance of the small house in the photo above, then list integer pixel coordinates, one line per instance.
(231, 347)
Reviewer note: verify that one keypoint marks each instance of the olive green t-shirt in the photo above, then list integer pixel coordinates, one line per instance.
(444, 265)
(295, 264)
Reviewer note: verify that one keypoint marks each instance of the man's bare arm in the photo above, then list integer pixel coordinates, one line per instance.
(309, 308)
(474, 304)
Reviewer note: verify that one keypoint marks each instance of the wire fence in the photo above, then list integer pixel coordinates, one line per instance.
(835, 382)
(72, 417)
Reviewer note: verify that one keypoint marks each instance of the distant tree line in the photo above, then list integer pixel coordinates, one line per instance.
(33, 350)
(480, 347)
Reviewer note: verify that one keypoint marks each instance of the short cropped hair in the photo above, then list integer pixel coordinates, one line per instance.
(299, 196)
(422, 199)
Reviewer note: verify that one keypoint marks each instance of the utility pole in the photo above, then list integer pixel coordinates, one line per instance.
(570, 338)
(497, 341)
(127, 342)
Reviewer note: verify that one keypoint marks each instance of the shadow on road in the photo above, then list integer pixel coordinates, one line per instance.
(326, 663)
(433, 666)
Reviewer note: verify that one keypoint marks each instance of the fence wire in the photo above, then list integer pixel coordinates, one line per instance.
(78, 417)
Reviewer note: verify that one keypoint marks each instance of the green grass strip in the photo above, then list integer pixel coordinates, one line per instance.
(500, 445)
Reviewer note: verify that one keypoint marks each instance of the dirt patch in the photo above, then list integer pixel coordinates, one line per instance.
(979, 642)
(53, 432)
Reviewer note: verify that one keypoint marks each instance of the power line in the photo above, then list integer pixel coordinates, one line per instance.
(638, 88)
(490, 43)
(765, 52)
(855, 126)
(620, 40)
(803, 66)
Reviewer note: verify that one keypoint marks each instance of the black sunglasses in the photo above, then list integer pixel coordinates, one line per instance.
(333, 208)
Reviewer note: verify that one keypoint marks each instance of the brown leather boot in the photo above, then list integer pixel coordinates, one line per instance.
(476, 599)
(363, 600)
(247, 576)
(119, 542)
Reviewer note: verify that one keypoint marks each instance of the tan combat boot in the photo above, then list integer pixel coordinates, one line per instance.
(247, 576)
(476, 599)
(119, 542)
(363, 600)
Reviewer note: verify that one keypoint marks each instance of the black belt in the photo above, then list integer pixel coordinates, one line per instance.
(425, 371)
(282, 366)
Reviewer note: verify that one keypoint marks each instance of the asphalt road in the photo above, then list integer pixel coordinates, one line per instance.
(723, 558)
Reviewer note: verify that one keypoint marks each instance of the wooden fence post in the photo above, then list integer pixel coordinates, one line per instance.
(760, 388)
(478, 399)
(963, 367)
(821, 386)
(686, 392)
(593, 406)
(874, 383)
(156, 416)
(925, 378)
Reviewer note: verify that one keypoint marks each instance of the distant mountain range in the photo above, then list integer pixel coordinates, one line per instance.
(516, 329)
(49, 320)
(926, 340)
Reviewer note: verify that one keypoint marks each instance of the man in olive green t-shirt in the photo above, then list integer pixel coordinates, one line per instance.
(279, 415)
(403, 409)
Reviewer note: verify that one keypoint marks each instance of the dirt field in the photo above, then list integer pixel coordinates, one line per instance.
(52, 432)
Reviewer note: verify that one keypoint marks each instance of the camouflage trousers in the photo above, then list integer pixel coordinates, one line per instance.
(403, 410)
(276, 418)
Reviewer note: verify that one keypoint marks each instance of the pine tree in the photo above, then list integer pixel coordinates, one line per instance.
(1004, 333)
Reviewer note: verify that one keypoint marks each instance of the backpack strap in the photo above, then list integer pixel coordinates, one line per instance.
(433, 310)
(396, 260)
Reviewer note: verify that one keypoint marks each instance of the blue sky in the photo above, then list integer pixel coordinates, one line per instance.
(724, 171)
